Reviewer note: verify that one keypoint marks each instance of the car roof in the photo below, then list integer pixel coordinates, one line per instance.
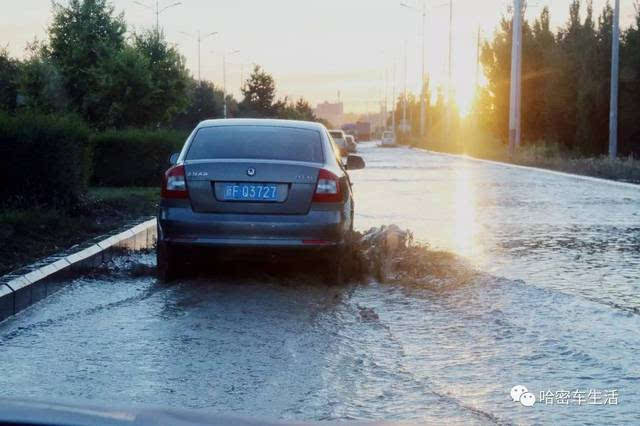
(261, 122)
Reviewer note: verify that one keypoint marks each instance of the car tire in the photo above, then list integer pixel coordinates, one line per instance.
(168, 265)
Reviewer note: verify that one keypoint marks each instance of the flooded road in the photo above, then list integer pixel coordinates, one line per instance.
(551, 301)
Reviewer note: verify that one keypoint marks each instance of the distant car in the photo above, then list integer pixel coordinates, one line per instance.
(388, 139)
(274, 185)
(340, 138)
(352, 146)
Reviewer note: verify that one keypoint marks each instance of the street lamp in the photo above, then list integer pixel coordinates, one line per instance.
(224, 76)
(386, 87)
(157, 10)
(516, 67)
(242, 65)
(422, 96)
(199, 38)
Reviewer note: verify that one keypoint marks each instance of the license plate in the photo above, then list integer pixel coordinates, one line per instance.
(250, 192)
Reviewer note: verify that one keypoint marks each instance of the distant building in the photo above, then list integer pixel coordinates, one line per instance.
(332, 112)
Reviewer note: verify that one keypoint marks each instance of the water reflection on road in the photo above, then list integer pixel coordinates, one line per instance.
(553, 306)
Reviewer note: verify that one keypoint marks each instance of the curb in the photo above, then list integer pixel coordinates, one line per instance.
(534, 169)
(26, 286)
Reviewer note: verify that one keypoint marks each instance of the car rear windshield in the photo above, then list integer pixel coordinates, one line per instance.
(257, 142)
(338, 135)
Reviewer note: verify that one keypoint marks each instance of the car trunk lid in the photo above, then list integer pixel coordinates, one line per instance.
(292, 183)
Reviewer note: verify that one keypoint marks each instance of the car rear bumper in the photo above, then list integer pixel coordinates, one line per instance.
(317, 229)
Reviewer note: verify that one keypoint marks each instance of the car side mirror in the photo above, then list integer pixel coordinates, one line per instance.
(355, 162)
(173, 159)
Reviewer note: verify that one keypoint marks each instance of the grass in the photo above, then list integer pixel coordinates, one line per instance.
(28, 235)
(547, 156)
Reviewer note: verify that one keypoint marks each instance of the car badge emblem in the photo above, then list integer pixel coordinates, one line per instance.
(251, 171)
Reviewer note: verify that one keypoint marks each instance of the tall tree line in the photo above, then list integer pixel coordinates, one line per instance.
(565, 81)
(90, 66)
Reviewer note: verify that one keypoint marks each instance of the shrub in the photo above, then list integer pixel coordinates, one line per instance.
(45, 160)
(134, 157)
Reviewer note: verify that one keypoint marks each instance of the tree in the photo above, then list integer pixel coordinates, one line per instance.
(204, 102)
(565, 82)
(8, 81)
(259, 93)
(300, 110)
(305, 111)
(40, 83)
(495, 57)
(124, 94)
(538, 50)
(588, 82)
(84, 35)
(630, 88)
(168, 75)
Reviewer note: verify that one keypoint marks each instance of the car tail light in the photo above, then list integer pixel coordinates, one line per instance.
(328, 188)
(175, 183)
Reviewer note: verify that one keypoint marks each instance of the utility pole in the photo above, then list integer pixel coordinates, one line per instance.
(449, 82)
(422, 92)
(157, 10)
(386, 84)
(615, 62)
(404, 95)
(393, 104)
(199, 39)
(514, 99)
(224, 79)
(478, 62)
(422, 12)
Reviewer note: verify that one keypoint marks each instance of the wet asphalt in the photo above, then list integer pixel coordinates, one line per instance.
(551, 302)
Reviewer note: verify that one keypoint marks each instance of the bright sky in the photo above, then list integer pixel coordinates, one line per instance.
(314, 48)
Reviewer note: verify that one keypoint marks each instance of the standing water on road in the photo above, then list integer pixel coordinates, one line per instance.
(533, 279)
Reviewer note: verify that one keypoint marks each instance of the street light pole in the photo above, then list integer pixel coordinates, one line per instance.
(199, 39)
(514, 100)
(423, 12)
(449, 82)
(422, 90)
(615, 62)
(224, 79)
(386, 91)
(157, 10)
(478, 61)
(393, 104)
(404, 95)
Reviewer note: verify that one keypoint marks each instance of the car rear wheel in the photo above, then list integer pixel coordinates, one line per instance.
(343, 266)
(168, 264)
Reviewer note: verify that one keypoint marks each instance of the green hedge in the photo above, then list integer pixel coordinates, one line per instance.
(134, 157)
(45, 160)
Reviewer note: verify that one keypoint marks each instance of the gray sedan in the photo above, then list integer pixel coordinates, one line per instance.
(274, 185)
